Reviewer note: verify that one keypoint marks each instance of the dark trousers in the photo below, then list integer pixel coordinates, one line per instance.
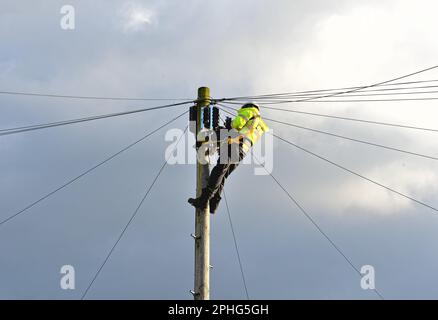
(224, 167)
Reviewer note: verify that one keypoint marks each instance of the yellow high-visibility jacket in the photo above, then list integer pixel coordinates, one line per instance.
(250, 126)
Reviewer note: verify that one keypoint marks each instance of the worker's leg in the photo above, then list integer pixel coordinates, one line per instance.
(214, 202)
(225, 167)
(214, 183)
(216, 199)
(231, 168)
(226, 164)
(218, 175)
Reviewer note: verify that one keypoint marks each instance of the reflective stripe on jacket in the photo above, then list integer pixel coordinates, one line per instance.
(250, 126)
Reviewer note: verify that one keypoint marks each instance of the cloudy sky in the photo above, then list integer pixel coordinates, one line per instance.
(167, 49)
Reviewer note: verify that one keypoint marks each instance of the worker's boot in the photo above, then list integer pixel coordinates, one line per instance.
(214, 203)
(202, 201)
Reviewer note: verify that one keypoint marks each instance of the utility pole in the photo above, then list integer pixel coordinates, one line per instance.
(202, 217)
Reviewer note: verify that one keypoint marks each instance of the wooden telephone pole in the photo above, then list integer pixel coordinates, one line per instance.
(202, 217)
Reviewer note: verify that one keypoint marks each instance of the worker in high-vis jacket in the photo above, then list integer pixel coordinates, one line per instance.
(248, 127)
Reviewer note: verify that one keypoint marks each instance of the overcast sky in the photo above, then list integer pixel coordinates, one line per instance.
(167, 49)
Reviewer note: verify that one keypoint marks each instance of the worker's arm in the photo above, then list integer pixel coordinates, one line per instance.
(264, 126)
(242, 118)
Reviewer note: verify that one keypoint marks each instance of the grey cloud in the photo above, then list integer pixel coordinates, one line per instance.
(236, 48)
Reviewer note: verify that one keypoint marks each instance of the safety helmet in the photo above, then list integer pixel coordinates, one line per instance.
(251, 105)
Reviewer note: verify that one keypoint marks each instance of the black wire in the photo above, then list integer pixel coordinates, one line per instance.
(130, 220)
(228, 107)
(16, 130)
(89, 170)
(310, 94)
(236, 246)
(223, 121)
(354, 100)
(348, 119)
(361, 88)
(369, 86)
(336, 89)
(33, 94)
(315, 224)
(350, 101)
(285, 99)
(355, 173)
(352, 139)
(46, 95)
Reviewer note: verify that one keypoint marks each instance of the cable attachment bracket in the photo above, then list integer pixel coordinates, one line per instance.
(194, 236)
(194, 294)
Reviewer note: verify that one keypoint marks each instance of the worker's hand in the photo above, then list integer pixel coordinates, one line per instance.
(228, 123)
